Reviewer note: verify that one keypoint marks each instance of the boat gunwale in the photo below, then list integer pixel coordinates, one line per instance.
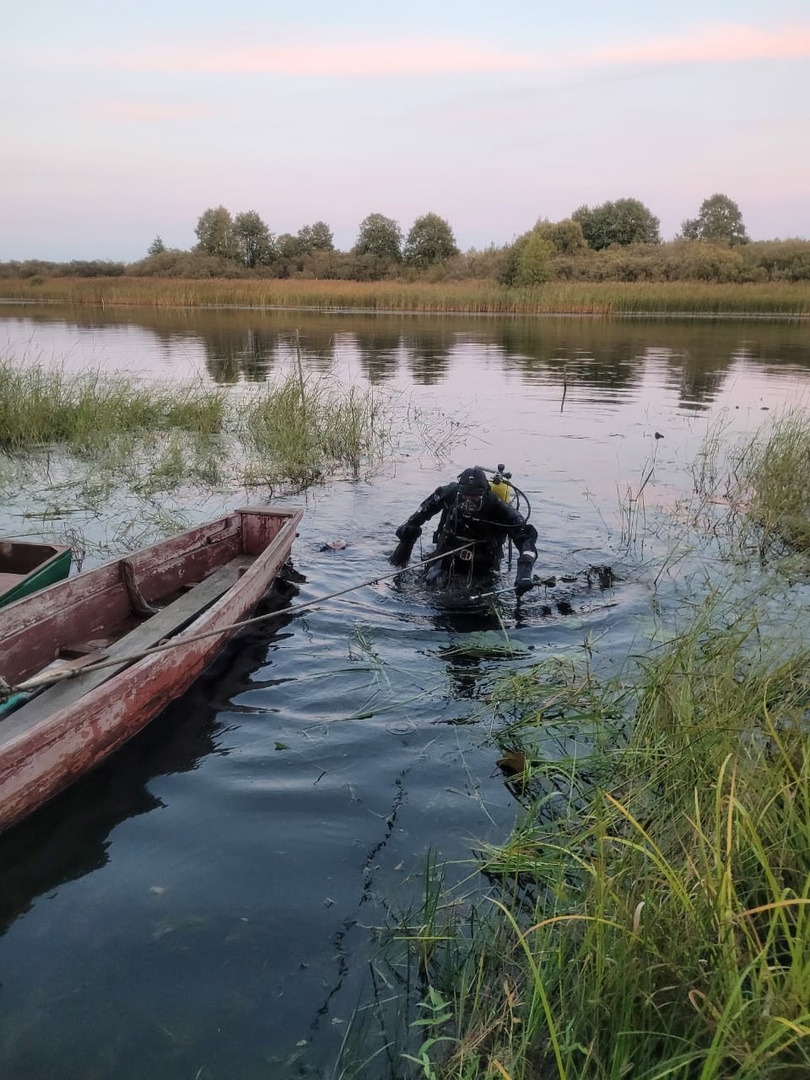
(24, 618)
(100, 721)
(24, 582)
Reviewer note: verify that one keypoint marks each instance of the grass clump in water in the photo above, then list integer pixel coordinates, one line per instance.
(89, 413)
(771, 484)
(652, 911)
(761, 481)
(305, 427)
(155, 437)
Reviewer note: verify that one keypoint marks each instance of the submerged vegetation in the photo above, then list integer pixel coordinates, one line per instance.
(650, 915)
(71, 443)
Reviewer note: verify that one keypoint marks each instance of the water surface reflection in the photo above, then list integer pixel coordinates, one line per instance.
(230, 346)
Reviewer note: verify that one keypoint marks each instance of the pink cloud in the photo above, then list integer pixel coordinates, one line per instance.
(714, 44)
(402, 57)
(728, 43)
(149, 112)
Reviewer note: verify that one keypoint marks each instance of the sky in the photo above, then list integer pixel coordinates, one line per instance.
(122, 122)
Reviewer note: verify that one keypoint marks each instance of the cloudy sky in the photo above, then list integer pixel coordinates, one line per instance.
(119, 122)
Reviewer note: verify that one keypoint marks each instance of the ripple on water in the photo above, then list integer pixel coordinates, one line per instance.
(401, 727)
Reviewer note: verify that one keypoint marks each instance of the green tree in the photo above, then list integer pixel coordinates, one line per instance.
(534, 260)
(157, 247)
(430, 241)
(288, 246)
(317, 237)
(215, 233)
(380, 237)
(719, 220)
(252, 238)
(528, 261)
(566, 236)
(625, 221)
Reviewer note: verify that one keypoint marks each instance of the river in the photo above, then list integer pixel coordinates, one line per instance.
(211, 902)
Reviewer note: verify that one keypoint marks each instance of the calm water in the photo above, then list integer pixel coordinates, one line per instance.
(208, 904)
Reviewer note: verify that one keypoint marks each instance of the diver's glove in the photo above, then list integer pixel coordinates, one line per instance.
(523, 578)
(408, 534)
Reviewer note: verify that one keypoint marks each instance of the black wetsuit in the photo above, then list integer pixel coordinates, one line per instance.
(484, 530)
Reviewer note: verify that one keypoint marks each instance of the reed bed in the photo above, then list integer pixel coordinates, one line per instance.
(89, 412)
(150, 437)
(770, 486)
(479, 297)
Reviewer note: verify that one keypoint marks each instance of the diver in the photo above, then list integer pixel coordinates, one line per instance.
(475, 521)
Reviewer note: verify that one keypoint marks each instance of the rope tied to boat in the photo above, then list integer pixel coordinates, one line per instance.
(49, 677)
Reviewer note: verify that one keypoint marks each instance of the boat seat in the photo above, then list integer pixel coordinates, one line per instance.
(152, 631)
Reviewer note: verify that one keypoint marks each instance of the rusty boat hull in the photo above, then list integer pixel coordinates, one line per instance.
(199, 582)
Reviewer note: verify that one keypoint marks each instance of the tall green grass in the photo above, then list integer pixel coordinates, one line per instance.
(307, 426)
(653, 917)
(467, 297)
(760, 480)
(771, 484)
(151, 437)
(90, 411)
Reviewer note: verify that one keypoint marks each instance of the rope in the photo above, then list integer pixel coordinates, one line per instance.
(45, 678)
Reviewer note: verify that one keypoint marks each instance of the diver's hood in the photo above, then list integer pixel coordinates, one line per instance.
(473, 482)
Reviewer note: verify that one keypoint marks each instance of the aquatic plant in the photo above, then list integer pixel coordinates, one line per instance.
(89, 412)
(770, 484)
(303, 427)
(72, 447)
(652, 910)
(603, 295)
(754, 491)
(158, 436)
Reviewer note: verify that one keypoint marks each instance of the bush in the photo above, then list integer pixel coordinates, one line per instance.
(94, 268)
(186, 264)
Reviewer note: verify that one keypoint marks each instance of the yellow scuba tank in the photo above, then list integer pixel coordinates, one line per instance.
(499, 483)
(499, 486)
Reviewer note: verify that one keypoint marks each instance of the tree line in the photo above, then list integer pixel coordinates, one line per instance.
(617, 240)
(247, 239)
(383, 250)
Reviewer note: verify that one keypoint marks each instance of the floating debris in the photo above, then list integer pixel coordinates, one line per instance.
(486, 645)
(603, 574)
